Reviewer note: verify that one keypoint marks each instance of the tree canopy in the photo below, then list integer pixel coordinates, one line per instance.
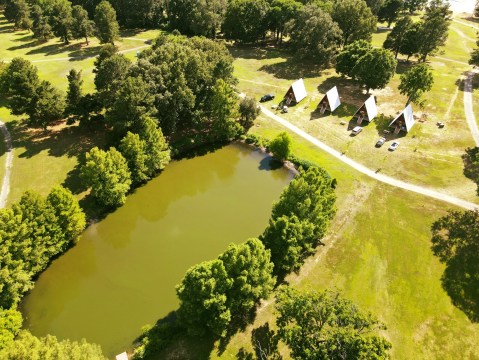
(375, 69)
(471, 165)
(350, 55)
(415, 82)
(324, 325)
(216, 295)
(246, 20)
(107, 26)
(108, 176)
(355, 19)
(315, 36)
(29, 347)
(280, 146)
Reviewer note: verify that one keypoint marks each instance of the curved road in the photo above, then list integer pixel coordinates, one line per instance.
(8, 165)
(366, 171)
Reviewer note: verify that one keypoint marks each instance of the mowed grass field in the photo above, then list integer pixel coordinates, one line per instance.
(427, 156)
(43, 160)
(378, 249)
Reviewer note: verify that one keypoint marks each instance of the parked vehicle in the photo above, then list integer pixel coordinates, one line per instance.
(394, 146)
(266, 97)
(380, 142)
(356, 130)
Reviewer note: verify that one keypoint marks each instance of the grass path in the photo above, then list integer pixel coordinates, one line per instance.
(366, 171)
(8, 165)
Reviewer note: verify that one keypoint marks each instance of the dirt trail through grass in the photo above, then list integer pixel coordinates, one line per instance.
(8, 165)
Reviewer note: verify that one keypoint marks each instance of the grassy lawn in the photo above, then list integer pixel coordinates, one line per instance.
(379, 256)
(427, 156)
(43, 160)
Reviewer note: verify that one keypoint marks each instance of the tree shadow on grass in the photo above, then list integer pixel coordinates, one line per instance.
(461, 282)
(255, 52)
(404, 66)
(60, 140)
(55, 49)
(292, 69)
(84, 52)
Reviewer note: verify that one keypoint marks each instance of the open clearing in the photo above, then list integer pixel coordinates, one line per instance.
(378, 248)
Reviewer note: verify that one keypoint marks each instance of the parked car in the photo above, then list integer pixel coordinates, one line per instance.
(380, 142)
(266, 97)
(394, 146)
(356, 130)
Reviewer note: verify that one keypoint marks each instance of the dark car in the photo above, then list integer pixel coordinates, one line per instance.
(267, 97)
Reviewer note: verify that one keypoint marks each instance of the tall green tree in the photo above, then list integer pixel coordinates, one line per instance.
(355, 20)
(69, 216)
(224, 112)
(203, 300)
(109, 77)
(74, 92)
(290, 240)
(197, 17)
(40, 26)
(216, 295)
(434, 28)
(156, 146)
(250, 268)
(18, 12)
(390, 10)
(315, 36)
(375, 5)
(10, 325)
(29, 347)
(47, 105)
(324, 325)
(246, 20)
(280, 146)
(19, 82)
(396, 38)
(62, 20)
(455, 241)
(107, 174)
(347, 59)
(82, 26)
(411, 41)
(375, 69)
(133, 102)
(415, 82)
(414, 5)
(249, 111)
(310, 197)
(107, 26)
(133, 149)
(280, 13)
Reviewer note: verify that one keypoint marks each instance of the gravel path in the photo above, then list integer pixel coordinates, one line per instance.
(8, 165)
(468, 107)
(368, 172)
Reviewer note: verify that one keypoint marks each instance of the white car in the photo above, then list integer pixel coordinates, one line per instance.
(356, 130)
(394, 146)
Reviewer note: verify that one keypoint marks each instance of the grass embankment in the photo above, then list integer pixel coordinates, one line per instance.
(43, 160)
(427, 156)
(378, 254)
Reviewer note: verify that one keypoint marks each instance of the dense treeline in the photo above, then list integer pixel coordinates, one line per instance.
(32, 232)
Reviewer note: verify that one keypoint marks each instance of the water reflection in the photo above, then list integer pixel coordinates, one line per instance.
(123, 272)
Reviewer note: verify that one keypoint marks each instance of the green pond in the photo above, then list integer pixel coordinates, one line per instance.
(122, 274)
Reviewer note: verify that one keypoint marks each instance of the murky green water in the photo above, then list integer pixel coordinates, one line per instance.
(123, 272)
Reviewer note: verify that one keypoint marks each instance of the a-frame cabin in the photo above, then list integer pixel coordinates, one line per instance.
(295, 93)
(404, 121)
(367, 112)
(330, 101)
